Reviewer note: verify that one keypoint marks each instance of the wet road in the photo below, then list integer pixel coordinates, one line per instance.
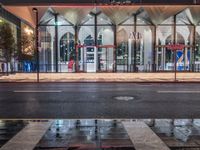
(99, 100)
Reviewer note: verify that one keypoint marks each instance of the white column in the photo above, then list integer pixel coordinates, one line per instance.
(130, 49)
(95, 59)
(147, 47)
(163, 55)
(52, 55)
(82, 63)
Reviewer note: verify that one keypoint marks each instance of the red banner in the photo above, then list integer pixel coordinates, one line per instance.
(175, 47)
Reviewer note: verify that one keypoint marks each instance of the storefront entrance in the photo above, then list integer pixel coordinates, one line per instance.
(96, 58)
(165, 59)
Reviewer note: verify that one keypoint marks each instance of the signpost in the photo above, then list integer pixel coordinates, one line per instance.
(175, 47)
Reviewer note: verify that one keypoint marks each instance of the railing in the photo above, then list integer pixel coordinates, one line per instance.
(104, 66)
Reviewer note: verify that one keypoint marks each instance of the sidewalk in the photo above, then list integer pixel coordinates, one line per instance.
(101, 77)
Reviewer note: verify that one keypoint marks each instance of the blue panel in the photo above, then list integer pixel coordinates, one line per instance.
(180, 60)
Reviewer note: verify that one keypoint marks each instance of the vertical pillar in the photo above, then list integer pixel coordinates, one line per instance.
(95, 38)
(37, 47)
(19, 52)
(193, 48)
(95, 30)
(174, 42)
(37, 43)
(135, 43)
(115, 49)
(76, 48)
(56, 40)
(174, 30)
(154, 50)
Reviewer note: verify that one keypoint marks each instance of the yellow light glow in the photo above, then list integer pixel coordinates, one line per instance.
(28, 31)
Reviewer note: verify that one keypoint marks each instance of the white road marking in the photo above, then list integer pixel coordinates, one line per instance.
(187, 92)
(37, 91)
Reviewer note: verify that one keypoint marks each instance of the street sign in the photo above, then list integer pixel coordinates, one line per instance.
(175, 47)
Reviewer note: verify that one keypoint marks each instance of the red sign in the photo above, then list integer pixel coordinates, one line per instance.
(98, 46)
(175, 47)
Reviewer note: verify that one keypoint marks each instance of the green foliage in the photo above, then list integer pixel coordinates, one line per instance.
(7, 41)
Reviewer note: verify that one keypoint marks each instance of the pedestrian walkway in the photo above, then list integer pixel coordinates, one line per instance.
(28, 137)
(101, 77)
(143, 137)
(89, 134)
(137, 134)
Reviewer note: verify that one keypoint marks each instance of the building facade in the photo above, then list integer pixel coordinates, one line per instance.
(116, 38)
(18, 27)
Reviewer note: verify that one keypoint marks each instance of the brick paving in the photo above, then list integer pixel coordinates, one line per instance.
(101, 77)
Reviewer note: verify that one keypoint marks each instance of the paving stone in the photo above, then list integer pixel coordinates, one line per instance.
(142, 137)
(102, 77)
(27, 138)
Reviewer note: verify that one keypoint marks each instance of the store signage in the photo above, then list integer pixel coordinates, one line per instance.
(175, 47)
(135, 36)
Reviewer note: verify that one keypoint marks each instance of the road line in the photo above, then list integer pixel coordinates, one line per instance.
(176, 92)
(36, 91)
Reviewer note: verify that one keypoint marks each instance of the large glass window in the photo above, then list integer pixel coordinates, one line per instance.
(14, 61)
(164, 56)
(56, 36)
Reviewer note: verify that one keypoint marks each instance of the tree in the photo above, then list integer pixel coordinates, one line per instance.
(7, 42)
(27, 45)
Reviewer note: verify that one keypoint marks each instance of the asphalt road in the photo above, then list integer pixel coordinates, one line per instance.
(98, 100)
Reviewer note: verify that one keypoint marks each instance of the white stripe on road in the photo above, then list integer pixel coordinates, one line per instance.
(36, 91)
(176, 92)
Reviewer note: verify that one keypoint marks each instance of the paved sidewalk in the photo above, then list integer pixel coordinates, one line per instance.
(101, 77)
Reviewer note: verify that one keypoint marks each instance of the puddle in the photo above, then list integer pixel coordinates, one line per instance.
(9, 129)
(107, 134)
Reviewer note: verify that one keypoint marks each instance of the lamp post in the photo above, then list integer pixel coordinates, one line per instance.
(175, 47)
(35, 10)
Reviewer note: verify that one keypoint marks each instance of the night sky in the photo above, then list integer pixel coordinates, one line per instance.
(92, 1)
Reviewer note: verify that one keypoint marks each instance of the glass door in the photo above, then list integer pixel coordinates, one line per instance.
(90, 55)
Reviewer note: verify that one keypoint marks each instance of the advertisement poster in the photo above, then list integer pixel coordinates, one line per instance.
(180, 60)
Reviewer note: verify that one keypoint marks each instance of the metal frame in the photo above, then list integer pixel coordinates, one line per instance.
(154, 44)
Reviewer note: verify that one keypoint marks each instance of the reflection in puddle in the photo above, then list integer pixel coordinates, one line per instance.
(8, 129)
(86, 134)
(178, 134)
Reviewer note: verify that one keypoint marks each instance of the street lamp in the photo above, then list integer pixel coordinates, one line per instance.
(35, 10)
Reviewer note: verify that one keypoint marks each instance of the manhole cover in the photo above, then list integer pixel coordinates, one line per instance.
(124, 98)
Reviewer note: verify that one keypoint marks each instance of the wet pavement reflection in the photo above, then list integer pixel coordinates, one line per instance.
(8, 129)
(177, 134)
(86, 134)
